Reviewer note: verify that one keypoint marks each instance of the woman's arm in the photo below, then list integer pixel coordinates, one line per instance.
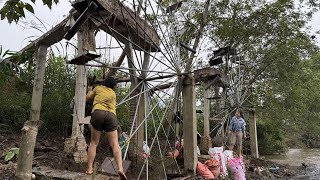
(244, 130)
(231, 125)
(90, 94)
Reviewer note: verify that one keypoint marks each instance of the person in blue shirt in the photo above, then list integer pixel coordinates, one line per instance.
(237, 130)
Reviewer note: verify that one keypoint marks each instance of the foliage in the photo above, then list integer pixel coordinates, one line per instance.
(58, 92)
(9, 154)
(14, 10)
(270, 138)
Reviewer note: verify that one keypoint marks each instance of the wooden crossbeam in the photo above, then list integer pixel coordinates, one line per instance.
(121, 22)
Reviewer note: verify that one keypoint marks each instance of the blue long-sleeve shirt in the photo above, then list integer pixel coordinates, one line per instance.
(237, 125)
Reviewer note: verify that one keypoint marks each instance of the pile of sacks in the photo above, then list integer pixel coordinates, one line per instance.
(217, 165)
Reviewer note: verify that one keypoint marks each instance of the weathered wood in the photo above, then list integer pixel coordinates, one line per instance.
(206, 74)
(206, 113)
(85, 120)
(139, 120)
(135, 147)
(51, 37)
(30, 128)
(189, 125)
(84, 16)
(109, 166)
(46, 173)
(112, 71)
(205, 139)
(142, 105)
(253, 134)
(218, 110)
(86, 42)
(122, 21)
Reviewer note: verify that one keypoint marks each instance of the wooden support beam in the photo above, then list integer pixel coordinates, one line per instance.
(30, 128)
(135, 147)
(219, 109)
(189, 125)
(215, 119)
(51, 37)
(112, 71)
(119, 21)
(84, 16)
(86, 42)
(205, 139)
(77, 144)
(146, 79)
(253, 133)
(206, 112)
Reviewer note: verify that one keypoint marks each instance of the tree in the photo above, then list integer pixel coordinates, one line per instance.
(14, 10)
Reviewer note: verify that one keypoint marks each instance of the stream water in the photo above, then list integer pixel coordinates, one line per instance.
(295, 157)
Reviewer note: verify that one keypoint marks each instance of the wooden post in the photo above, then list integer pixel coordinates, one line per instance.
(218, 107)
(77, 144)
(142, 108)
(206, 140)
(189, 125)
(116, 64)
(135, 148)
(206, 112)
(30, 128)
(253, 133)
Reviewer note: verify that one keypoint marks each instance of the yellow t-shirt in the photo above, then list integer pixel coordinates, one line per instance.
(104, 98)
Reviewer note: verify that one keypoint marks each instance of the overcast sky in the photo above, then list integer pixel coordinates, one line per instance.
(15, 37)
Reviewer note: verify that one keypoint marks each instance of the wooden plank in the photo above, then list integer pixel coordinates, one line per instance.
(51, 37)
(122, 21)
(43, 172)
(215, 119)
(109, 166)
(85, 120)
(206, 74)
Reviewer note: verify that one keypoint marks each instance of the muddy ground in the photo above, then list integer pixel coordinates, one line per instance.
(49, 152)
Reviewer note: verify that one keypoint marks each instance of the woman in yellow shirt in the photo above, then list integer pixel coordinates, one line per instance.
(104, 118)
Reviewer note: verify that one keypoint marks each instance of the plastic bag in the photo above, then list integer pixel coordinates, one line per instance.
(236, 166)
(213, 166)
(204, 171)
(216, 153)
(228, 154)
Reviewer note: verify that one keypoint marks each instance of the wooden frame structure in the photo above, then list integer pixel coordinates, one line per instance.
(128, 28)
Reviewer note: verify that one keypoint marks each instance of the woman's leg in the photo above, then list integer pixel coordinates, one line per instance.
(232, 141)
(95, 137)
(113, 141)
(239, 141)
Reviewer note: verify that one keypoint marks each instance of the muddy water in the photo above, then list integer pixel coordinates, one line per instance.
(295, 157)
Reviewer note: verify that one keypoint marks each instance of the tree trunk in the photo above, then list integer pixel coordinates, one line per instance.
(30, 128)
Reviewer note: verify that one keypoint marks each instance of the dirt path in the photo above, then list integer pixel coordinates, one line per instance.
(49, 152)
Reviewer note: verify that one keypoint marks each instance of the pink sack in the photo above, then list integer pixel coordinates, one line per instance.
(213, 166)
(174, 154)
(203, 170)
(237, 168)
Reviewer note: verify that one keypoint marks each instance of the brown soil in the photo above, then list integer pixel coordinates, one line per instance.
(49, 152)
